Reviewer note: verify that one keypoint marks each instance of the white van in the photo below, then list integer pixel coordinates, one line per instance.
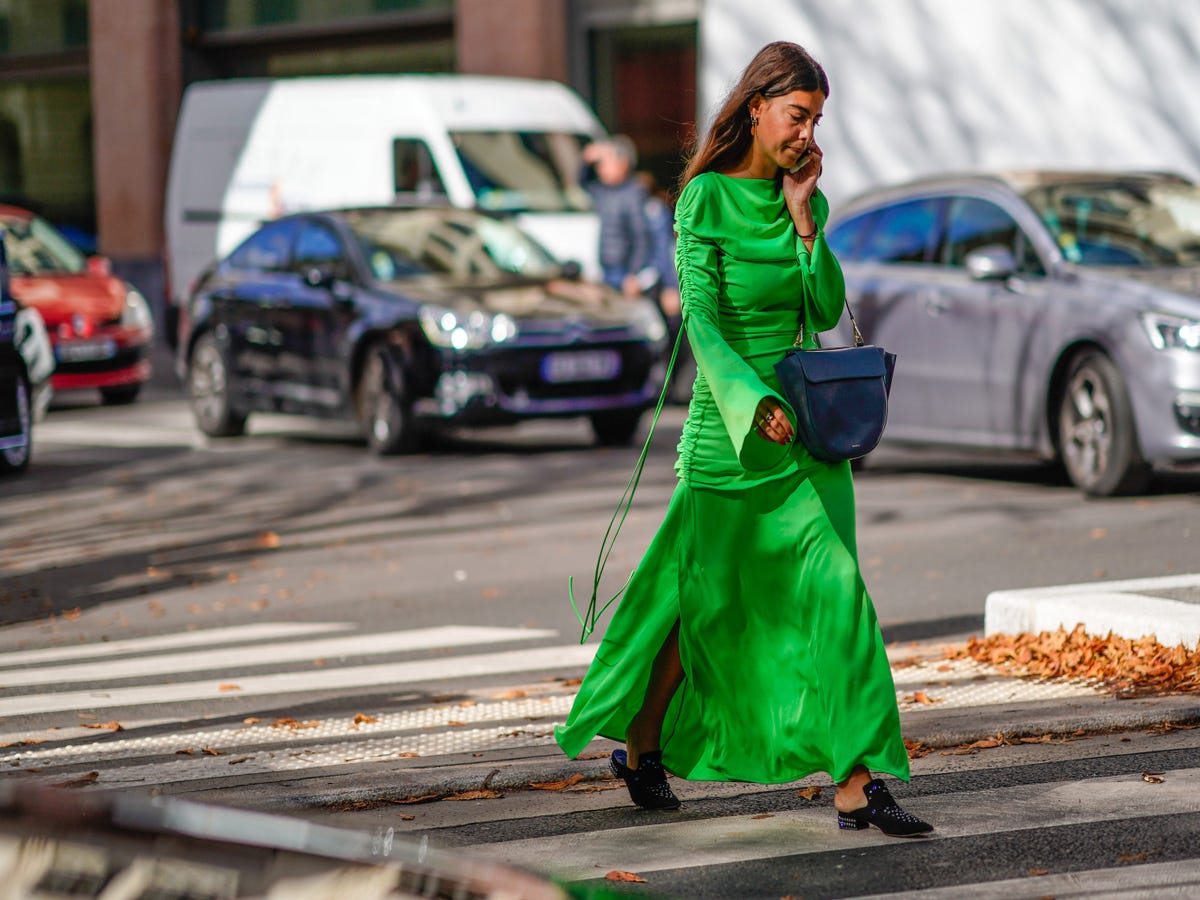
(247, 151)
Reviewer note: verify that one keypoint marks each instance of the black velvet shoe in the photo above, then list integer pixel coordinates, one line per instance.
(884, 813)
(647, 783)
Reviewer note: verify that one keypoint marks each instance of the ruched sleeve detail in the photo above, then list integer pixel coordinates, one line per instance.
(824, 284)
(735, 386)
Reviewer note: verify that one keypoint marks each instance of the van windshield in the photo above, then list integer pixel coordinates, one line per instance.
(523, 171)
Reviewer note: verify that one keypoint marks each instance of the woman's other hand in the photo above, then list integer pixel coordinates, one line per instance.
(771, 422)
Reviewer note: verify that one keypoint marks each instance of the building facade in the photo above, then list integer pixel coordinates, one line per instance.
(90, 89)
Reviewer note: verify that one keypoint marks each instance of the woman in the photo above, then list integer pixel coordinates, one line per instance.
(746, 647)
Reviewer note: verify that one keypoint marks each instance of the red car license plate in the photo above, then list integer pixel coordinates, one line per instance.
(581, 365)
(82, 351)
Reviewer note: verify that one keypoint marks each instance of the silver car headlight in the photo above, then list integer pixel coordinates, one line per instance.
(648, 320)
(462, 331)
(1168, 332)
(136, 314)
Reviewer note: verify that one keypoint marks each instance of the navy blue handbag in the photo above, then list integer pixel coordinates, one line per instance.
(840, 395)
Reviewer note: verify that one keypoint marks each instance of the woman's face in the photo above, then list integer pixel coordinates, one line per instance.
(785, 124)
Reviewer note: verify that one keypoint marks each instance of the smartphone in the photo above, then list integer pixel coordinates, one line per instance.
(801, 162)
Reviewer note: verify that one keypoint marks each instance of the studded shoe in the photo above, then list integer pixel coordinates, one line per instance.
(647, 783)
(884, 813)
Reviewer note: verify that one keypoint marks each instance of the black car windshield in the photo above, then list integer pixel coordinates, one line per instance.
(1149, 221)
(401, 243)
(36, 248)
(527, 170)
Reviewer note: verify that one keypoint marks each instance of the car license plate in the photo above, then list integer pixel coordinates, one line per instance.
(82, 351)
(581, 365)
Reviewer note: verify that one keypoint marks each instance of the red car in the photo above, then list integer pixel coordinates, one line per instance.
(99, 325)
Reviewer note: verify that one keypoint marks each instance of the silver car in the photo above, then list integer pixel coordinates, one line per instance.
(1043, 312)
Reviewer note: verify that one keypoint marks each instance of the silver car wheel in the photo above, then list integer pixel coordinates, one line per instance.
(17, 458)
(208, 389)
(1097, 433)
(382, 412)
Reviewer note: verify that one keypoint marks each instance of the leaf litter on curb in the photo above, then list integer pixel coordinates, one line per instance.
(1128, 667)
(618, 875)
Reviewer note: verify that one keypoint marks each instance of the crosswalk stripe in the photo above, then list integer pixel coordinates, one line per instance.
(262, 631)
(285, 683)
(265, 654)
(732, 839)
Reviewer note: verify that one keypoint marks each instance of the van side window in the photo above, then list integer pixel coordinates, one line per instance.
(415, 171)
(267, 251)
(976, 223)
(318, 247)
(904, 233)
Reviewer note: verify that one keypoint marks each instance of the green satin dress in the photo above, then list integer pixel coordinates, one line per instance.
(785, 672)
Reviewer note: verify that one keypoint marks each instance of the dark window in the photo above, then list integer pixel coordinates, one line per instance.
(845, 238)
(976, 223)
(904, 233)
(319, 247)
(267, 251)
(415, 171)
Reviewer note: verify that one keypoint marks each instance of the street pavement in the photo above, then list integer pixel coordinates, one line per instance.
(1026, 781)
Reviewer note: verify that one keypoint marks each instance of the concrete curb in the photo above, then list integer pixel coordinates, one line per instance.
(1168, 608)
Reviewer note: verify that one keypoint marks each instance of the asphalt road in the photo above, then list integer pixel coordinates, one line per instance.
(489, 525)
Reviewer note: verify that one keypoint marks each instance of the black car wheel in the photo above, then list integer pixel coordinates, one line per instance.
(16, 459)
(120, 396)
(209, 390)
(383, 406)
(1096, 434)
(616, 429)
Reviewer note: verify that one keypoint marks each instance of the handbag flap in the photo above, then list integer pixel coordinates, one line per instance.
(842, 362)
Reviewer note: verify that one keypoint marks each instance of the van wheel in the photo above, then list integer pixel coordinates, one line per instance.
(120, 396)
(1096, 434)
(382, 404)
(616, 429)
(16, 459)
(209, 391)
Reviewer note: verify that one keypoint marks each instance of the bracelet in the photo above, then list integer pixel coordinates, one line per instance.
(809, 237)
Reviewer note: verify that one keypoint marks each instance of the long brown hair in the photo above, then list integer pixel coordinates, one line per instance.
(777, 69)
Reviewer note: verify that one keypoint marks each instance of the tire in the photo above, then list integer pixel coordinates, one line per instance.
(382, 405)
(120, 396)
(16, 459)
(209, 391)
(1097, 438)
(616, 429)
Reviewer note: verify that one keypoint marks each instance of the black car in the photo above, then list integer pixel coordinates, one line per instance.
(406, 318)
(16, 393)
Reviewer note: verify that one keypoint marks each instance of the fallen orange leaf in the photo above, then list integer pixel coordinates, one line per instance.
(618, 875)
(557, 785)
(484, 794)
(228, 687)
(809, 793)
(111, 726)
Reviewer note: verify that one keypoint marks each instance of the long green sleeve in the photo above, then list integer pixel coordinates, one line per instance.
(744, 278)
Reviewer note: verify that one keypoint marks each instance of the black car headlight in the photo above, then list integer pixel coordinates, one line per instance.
(1170, 332)
(648, 321)
(463, 331)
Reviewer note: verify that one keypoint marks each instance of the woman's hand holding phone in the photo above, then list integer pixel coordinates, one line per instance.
(799, 183)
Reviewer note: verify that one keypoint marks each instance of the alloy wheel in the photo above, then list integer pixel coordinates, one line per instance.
(1086, 426)
(16, 458)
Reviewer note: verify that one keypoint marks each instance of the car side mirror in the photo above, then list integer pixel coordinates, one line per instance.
(571, 270)
(320, 277)
(99, 265)
(990, 263)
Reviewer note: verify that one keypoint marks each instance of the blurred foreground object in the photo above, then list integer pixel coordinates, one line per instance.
(57, 844)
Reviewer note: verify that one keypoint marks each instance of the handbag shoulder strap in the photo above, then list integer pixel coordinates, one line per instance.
(587, 621)
(858, 338)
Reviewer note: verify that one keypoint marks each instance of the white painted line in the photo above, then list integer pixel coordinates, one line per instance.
(547, 711)
(707, 842)
(263, 631)
(1152, 881)
(240, 658)
(569, 656)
